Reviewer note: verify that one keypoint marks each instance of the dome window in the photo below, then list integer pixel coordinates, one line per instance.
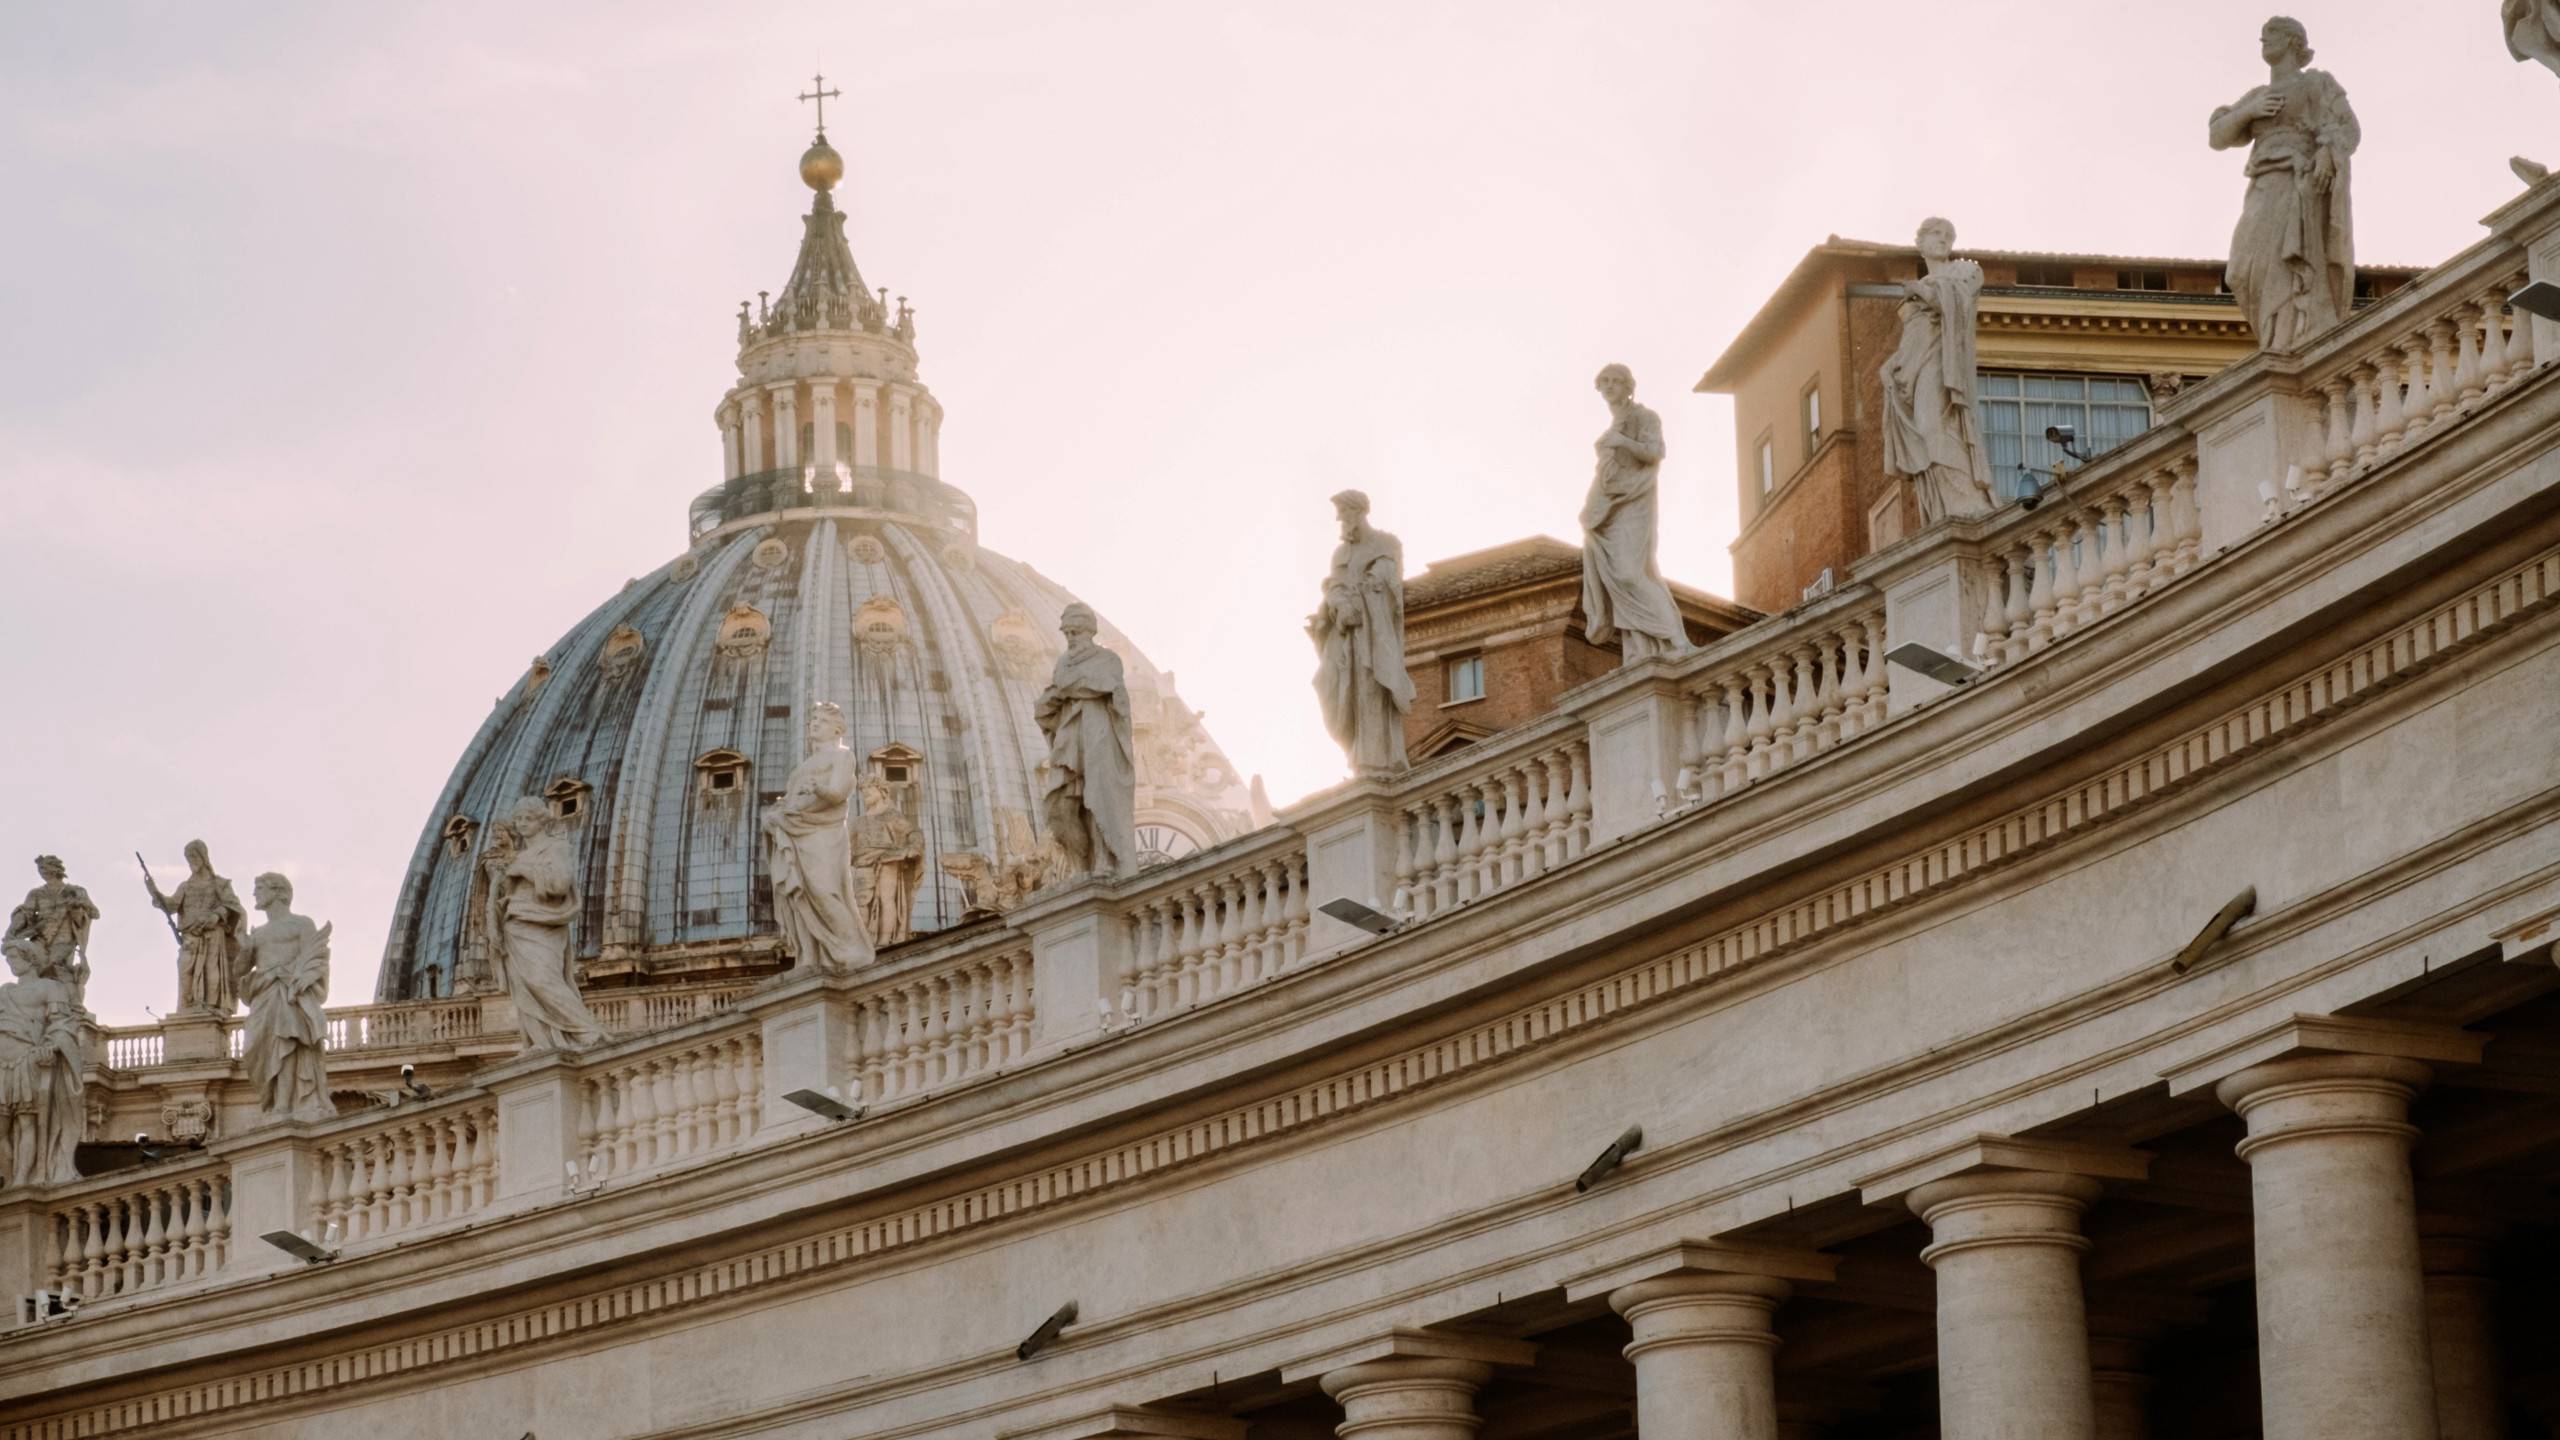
(867, 550)
(721, 772)
(902, 770)
(567, 796)
(880, 627)
(769, 554)
(745, 632)
(622, 651)
(457, 835)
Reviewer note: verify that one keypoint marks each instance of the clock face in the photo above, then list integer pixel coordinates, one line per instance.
(1160, 844)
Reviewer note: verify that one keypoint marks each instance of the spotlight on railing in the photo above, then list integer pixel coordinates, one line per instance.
(2063, 438)
(1610, 1159)
(300, 1247)
(1060, 1319)
(828, 1102)
(2541, 299)
(1352, 912)
(46, 1305)
(2240, 907)
(1936, 664)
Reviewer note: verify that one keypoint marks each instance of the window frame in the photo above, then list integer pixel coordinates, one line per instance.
(1809, 415)
(1765, 451)
(1451, 667)
(2034, 453)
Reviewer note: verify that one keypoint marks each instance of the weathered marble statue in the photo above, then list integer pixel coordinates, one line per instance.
(2533, 30)
(1359, 634)
(1932, 433)
(888, 852)
(43, 1102)
(2293, 262)
(211, 923)
(809, 854)
(1089, 787)
(285, 964)
(1623, 597)
(55, 919)
(534, 901)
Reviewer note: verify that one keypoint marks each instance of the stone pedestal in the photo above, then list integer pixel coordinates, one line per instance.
(1634, 729)
(275, 1185)
(193, 1035)
(1079, 945)
(1936, 596)
(26, 1227)
(2342, 1324)
(2013, 1335)
(807, 1037)
(2460, 1275)
(539, 1102)
(1351, 855)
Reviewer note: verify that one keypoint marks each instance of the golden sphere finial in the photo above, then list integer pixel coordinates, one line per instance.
(820, 166)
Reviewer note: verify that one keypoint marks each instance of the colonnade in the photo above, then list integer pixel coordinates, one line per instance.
(893, 425)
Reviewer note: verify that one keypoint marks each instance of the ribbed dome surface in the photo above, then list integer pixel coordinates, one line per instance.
(934, 647)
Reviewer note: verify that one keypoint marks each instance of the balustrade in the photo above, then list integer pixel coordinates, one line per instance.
(2122, 532)
(670, 1105)
(1215, 935)
(644, 1011)
(1750, 719)
(148, 1235)
(926, 1031)
(396, 1026)
(134, 1047)
(406, 1173)
(1506, 821)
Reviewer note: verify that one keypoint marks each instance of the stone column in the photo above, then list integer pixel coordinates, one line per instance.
(2013, 1337)
(2120, 1385)
(786, 427)
(2342, 1323)
(1703, 1343)
(2454, 1256)
(751, 412)
(1410, 1384)
(822, 429)
(901, 432)
(729, 450)
(866, 422)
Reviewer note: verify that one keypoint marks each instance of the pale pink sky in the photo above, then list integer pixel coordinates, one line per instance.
(355, 353)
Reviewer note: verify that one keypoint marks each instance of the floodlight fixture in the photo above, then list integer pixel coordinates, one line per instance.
(1352, 912)
(2238, 908)
(2064, 438)
(1610, 1159)
(1059, 1319)
(409, 1082)
(2540, 299)
(299, 1247)
(47, 1305)
(1937, 664)
(828, 1102)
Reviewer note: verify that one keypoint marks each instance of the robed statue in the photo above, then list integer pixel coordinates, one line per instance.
(888, 855)
(2533, 30)
(1359, 636)
(1089, 787)
(55, 919)
(2293, 260)
(1932, 431)
(1623, 597)
(808, 853)
(285, 974)
(534, 900)
(211, 924)
(44, 1109)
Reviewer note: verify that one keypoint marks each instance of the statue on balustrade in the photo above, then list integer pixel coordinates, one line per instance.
(2533, 31)
(285, 975)
(888, 853)
(43, 1099)
(809, 854)
(211, 923)
(1623, 597)
(55, 918)
(1359, 635)
(1089, 787)
(1932, 432)
(534, 901)
(2293, 262)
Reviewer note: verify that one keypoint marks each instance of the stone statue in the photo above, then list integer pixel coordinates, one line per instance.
(1931, 430)
(533, 902)
(211, 923)
(2293, 262)
(1623, 597)
(1359, 635)
(43, 1099)
(285, 963)
(888, 853)
(480, 967)
(809, 853)
(55, 919)
(1089, 787)
(2533, 30)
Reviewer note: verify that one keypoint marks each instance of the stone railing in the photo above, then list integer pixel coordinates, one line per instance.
(642, 1012)
(2111, 535)
(1782, 699)
(1510, 815)
(669, 1104)
(133, 1047)
(932, 1028)
(1215, 931)
(412, 1170)
(399, 1026)
(110, 1238)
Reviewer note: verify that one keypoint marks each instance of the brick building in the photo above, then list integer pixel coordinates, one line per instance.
(2091, 341)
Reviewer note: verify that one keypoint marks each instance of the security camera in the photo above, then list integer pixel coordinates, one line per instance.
(409, 1082)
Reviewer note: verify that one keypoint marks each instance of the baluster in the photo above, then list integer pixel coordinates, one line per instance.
(2418, 408)
(1689, 782)
(636, 1106)
(150, 1240)
(2337, 447)
(1851, 684)
(1406, 827)
(1514, 826)
(478, 1158)
(2185, 522)
(1578, 800)
(2363, 432)
(1761, 731)
(2494, 360)
(1991, 636)
(669, 1121)
(2142, 536)
(2115, 563)
(2442, 386)
(1230, 896)
(1296, 948)
(1022, 1003)
(2040, 607)
(2470, 385)
(196, 1233)
(1537, 815)
(870, 1022)
(93, 1249)
(2072, 570)
(748, 1065)
(1444, 853)
(931, 1034)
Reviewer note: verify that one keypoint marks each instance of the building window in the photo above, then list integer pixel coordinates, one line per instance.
(2047, 277)
(1812, 418)
(2104, 411)
(1466, 679)
(2142, 279)
(1768, 465)
(568, 797)
(722, 772)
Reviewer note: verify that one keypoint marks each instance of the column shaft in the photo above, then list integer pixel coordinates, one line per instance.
(2462, 1329)
(1703, 1349)
(2013, 1333)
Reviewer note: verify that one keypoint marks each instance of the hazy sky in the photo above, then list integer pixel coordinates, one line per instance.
(355, 352)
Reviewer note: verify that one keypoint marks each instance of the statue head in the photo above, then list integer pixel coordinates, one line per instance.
(1616, 383)
(826, 725)
(1937, 239)
(23, 960)
(199, 859)
(272, 889)
(1077, 622)
(875, 795)
(50, 868)
(2282, 36)
(528, 817)
(1351, 507)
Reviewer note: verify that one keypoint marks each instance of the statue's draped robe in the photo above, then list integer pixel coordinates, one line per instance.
(2533, 30)
(210, 921)
(2293, 262)
(1360, 677)
(1931, 432)
(55, 918)
(809, 855)
(1089, 792)
(285, 1048)
(1623, 597)
(536, 900)
(889, 853)
(43, 1103)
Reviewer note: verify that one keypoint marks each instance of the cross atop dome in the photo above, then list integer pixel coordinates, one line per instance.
(819, 92)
